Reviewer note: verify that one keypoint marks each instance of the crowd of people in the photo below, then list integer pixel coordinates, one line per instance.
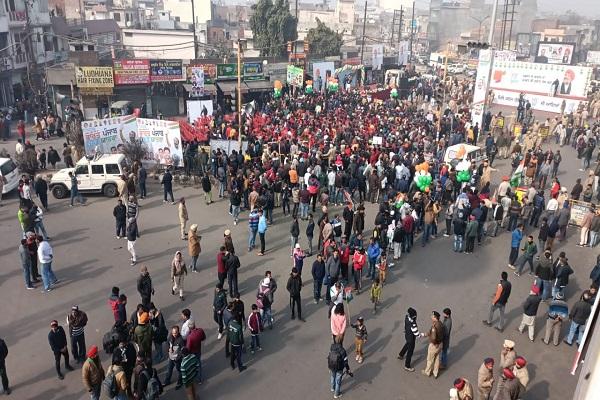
(308, 156)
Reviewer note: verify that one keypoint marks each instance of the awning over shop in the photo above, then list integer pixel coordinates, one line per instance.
(259, 86)
(209, 88)
(230, 87)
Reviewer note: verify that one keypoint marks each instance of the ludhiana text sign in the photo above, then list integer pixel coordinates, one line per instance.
(132, 72)
(166, 70)
(94, 77)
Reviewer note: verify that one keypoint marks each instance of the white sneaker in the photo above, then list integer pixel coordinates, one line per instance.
(219, 336)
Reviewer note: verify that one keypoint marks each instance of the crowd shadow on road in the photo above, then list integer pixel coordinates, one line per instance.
(539, 390)
(158, 229)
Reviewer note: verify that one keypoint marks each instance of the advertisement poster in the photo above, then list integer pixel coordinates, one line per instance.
(166, 70)
(545, 86)
(481, 85)
(295, 76)
(210, 72)
(252, 71)
(593, 57)
(323, 70)
(197, 79)
(94, 77)
(108, 135)
(377, 56)
(131, 72)
(403, 52)
(163, 140)
(226, 71)
(554, 53)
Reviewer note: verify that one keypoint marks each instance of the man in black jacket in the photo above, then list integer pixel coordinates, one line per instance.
(530, 309)
(58, 344)
(41, 191)
(318, 274)
(294, 285)
(207, 188)
(232, 262)
(120, 214)
(144, 286)
(579, 315)
(3, 355)
(544, 272)
(337, 362)
(411, 332)
(499, 301)
(294, 233)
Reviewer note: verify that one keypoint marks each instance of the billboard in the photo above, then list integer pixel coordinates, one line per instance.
(226, 71)
(166, 70)
(94, 77)
(545, 86)
(163, 140)
(554, 53)
(108, 135)
(295, 76)
(210, 72)
(252, 71)
(197, 79)
(131, 72)
(324, 70)
(482, 80)
(377, 56)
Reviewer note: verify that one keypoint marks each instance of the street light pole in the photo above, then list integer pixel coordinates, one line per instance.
(194, 27)
(493, 24)
(480, 21)
(239, 93)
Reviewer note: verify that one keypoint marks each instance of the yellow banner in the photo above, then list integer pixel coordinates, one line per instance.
(94, 77)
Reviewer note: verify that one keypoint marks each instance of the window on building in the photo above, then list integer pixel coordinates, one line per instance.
(117, 17)
(128, 34)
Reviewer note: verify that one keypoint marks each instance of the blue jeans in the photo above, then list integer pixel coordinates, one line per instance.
(235, 211)
(444, 356)
(458, 243)
(27, 274)
(339, 196)
(546, 289)
(331, 189)
(177, 365)
(521, 263)
(304, 210)
(267, 317)
(142, 189)
(254, 342)
(48, 276)
(336, 381)
(95, 393)
(372, 262)
(556, 290)
(426, 234)
(252, 238)
(317, 289)
(76, 195)
(40, 229)
(575, 328)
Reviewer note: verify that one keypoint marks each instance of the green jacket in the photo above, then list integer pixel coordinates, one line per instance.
(472, 229)
(234, 332)
(530, 249)
(142, 335)
(189, 368)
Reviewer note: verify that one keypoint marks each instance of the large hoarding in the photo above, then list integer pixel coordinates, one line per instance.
(554, 53)
(162, 139)
(166, 70)
(132, 72)
(324, 70)
(481, 85)
(545, 86)
(108, 135)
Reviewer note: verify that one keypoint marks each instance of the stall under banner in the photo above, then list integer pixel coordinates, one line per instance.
(295, 76)
(546, 87)
(166, 70)
(131, 72)
(554, 53)
(108, 135)
(94, 77)
(163, 140)
(377, 56)
(210, 72)
(197, 79)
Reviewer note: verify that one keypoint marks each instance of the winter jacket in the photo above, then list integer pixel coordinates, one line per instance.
(318, 271)
(255, 323)
(332, 267)
(176, 344)
(120, 377)
(543, 269)
(295, 229)
(580, 312)
(193, 245)
(516, 237)
(411, 331)
(358, 261)
(92, 373)
(232, 262)
(144, 285)
(373, 251)
(294, 285)
(132, 231)
(531, 304)
(562, 272)
(485, 378)
(120, 213)
(472, 228)
(502, 293)
(194, 340)
(338, 324)
(142, 335)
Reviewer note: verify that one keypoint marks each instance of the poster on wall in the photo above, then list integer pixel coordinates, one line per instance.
(322, 71)
(225, 71)
(166, 70)
(108, 135)
(210, 72)
(593, 57)
(252, 71)
(554, 53)
(163, 140)
(131, 72)
(546, 87)
(482, 79)
(295, 76)
(403, 52)
(377, 56)
(197, 79)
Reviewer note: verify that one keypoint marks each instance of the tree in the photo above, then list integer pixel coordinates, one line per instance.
(273, 26)
(135, 150)
(323, 41)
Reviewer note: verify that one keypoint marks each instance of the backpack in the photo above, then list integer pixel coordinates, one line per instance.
(109, 385)
(152, 388)
(335, 360)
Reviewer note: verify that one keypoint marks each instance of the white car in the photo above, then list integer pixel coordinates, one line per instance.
(10, 173)
(456, 69)
(97, 175)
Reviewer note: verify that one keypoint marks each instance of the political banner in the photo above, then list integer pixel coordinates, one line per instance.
(197, 79)
(554, 53)
(162, 139)
(252, 71)
(225, 71)
(322, 71)
(131, 72)
(107, 135)
(546, 87)
(482, 80)
(377, 56)
(295, 76)
(166, 70)
(403, 52)
(210, 72)
(94, 77)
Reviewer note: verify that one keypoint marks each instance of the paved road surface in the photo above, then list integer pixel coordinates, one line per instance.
(89, 261)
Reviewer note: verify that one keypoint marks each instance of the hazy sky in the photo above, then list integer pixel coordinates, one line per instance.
(584, 7)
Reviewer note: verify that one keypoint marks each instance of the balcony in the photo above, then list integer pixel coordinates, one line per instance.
(5, 63)
(17, 19)
(19, 60)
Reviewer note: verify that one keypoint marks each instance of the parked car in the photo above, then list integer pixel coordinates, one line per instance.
(10, 173)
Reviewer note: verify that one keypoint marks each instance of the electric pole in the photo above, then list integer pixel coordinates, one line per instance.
(493, 24)
(194, 27)
(412, 32)
(400, 26)
(296, 41)
(239, 93)
(362, 44)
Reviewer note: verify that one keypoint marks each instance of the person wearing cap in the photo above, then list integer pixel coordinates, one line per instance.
(464, 389)
(485, 379)
(76, 321)
(530, 309)
(58, 344)
(558, 311)
(579, 315)
(520, 371)
(92, 373)
(142, 335)
(508, 354)
(508, 387)
(194, 246)
(228, 241)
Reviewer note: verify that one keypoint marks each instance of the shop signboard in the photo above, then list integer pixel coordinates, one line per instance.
(166, 70)
(131, 72)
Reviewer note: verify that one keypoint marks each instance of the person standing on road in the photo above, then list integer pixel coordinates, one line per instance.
(160, 332)
(3, 375)
(236, 340)
(178, 273)
(189, 369)
(558, 310)
(232, 264)
(75, 190)
(332, 272)
(176, 345)
(436, 336)
(46, 256)
(411, 332)
(118, 371)
(221, 267)
(183, 217)
(194, 246)
(144, 286)
(529, 251)
(142, 175)
(207, 188)
(41, 191)
(579, 315)
(318, 274)
(262, 230)
(447, 324)
(337, 362)
(485, 379)
(76, 321)
(499, 301)
(521, 372)
(120, 214)
(515, 243)
(26, 264)
(132, 235)
(508, 387)
(58, 344)
(253, 218)
(508, 354)
(530, 309)
(167, 183)
(294, 286)
(142, 335)
(194, 344)
(219, 305)
(92, 373)
(545, 274)
(294, 234)
(360, 338)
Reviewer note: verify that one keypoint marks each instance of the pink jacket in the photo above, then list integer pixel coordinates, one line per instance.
(338, 324)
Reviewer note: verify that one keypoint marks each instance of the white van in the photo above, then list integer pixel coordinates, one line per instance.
(10, 173)
(471, 153)
(97, 175)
